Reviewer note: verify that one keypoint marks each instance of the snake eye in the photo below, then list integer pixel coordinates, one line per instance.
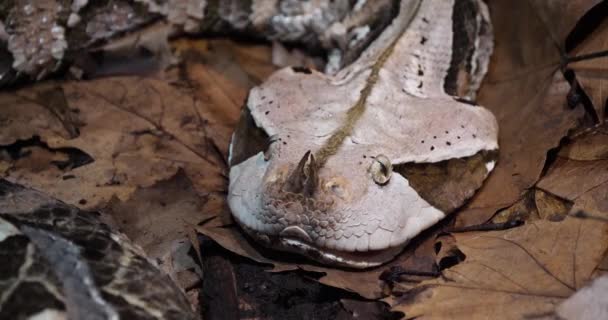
(381, 169)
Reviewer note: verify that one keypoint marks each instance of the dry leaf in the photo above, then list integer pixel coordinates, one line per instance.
(157, 219)
(52, 116)
(136, 131)
(523, 82)
(591, 145)
(550, 207)
(131, 146)
(591, 74)
(569, 179)
(511, 274)
(560, 16)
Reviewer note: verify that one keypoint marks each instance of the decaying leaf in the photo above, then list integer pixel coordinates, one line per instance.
(526, 92)
(130, 146)
(560, 16)
(511, 274)
(570, 179)
(591, 145)
(156, 218)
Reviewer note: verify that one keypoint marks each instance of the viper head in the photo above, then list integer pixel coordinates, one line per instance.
(347, 169)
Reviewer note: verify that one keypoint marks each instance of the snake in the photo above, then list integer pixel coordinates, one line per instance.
(346, 169)
(61, 262)
(343, 167)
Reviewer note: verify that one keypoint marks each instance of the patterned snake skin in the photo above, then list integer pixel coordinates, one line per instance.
(59, 262)
(39, 37)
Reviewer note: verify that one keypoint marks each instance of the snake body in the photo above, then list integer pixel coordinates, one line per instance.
(59, 262)
(40, 37)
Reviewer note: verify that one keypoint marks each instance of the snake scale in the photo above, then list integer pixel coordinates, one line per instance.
(344, 167)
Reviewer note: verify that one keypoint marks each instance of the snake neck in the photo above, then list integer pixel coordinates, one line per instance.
(354, 113)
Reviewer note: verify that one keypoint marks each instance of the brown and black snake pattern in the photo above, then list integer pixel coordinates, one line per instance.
(64, 263)
(42, 36)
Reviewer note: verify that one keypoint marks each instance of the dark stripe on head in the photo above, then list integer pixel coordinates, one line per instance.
(465, 29)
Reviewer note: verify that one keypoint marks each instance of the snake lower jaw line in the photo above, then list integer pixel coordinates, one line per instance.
(299, 242)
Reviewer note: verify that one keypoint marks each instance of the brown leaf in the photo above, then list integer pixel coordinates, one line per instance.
(591, 74)
(602, 268)
(550, 207)
(591, 145)
(594, 202)
(526, 93)
(156, 218)
(570, 179)
(524, 209)
(513, 273)
(43, 116)
(560, 16)
(137, 131)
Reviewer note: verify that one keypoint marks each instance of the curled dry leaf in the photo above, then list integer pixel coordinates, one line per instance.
(585, 183)
(580, 172)
(524, 82)
(536, 204)
(511, 274)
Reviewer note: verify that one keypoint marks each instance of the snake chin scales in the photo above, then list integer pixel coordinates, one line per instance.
(346, 169)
